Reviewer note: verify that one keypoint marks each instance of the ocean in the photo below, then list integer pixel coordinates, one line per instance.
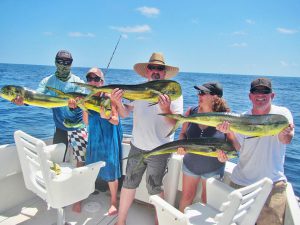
(38, 121)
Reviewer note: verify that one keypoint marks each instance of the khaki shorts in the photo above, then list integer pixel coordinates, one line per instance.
(274, 208)
(136, 166)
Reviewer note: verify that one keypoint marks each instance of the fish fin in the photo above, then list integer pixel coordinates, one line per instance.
(177, 124)
(58, 92)
(152, 104)
(87, 86)
(251, 137)
(155, 92)
(80, 102)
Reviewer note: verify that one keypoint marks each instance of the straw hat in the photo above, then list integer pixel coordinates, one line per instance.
(157, 59)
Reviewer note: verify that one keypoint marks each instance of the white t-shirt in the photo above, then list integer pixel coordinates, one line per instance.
(149, 128)
(261, 157)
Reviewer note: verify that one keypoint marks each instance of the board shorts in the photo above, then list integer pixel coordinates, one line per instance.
(136, 166)
(78, 140)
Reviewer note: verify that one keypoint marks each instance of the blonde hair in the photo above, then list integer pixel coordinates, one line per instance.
(220, 105)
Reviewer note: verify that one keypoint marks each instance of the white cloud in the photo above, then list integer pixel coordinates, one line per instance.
(286, 31)
(239, 33)
(249, 21)
(79, 34)
(148, 11)
(48, 33)
(134, 29)
(125, 36)
(239, 45)
(284, 63)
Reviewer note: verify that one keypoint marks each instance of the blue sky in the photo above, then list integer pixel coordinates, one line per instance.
(259, 37)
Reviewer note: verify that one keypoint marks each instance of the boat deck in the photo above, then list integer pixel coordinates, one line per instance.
(94, 209)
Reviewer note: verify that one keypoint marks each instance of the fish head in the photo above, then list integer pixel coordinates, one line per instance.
(10, 92)
(172, 89)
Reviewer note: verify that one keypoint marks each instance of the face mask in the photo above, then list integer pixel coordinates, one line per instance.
(62, 72)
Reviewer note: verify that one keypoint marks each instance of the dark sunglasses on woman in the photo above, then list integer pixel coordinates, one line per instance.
(96, 79)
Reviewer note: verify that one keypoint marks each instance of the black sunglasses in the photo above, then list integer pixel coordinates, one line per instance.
(65, 62)
(201, 93)
(156, 67)
(261, 91)
(96, 79)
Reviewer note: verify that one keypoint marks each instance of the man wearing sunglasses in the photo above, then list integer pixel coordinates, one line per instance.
(61, 80)
(149, 131)
(263, 156)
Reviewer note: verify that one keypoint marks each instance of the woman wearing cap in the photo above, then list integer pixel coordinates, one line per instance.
(198, 168)
(104, 140)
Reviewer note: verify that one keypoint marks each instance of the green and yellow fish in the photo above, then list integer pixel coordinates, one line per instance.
(10, 92)
(199, 146)
(250, 125)
(148, 91)
(92, 102)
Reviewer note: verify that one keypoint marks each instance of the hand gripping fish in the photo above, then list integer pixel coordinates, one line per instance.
(148, 91)
(250, 125)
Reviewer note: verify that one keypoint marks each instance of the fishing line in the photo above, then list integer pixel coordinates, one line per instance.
(106, 70)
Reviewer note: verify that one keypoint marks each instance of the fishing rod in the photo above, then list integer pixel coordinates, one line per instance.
(106, 70)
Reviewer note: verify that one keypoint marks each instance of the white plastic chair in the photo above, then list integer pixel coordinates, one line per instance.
(58, 190)
(225, 205)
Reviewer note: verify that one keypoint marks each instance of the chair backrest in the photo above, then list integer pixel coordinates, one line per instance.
(166, 213)
(30, 153)
(244, 204)
(57, 189)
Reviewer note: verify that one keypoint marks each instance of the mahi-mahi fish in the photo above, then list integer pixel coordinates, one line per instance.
(199, 146)
(249, 125)
(148, 91)
(31, 97)
(92, 103)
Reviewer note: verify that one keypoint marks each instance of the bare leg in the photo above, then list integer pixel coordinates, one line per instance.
(77, 206)
(113, 187)
(203, 193)
(126, 199)
(189, 188)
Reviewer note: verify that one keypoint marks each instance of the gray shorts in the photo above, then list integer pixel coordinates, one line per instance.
(136, 166)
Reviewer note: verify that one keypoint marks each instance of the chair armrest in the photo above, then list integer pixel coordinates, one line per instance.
(55, 152)
(165, 211)
(217, 192)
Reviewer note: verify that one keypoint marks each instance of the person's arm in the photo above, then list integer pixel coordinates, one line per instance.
(122, 109)
(182, 135)
(287, 134)
(166, 106)
(85, 117)
(225, 128)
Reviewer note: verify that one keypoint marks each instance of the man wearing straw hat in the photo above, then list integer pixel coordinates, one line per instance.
(149, 131)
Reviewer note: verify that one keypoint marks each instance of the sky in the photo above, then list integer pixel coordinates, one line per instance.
(253, 37)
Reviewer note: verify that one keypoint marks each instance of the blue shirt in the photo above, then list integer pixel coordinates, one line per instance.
(62, 113)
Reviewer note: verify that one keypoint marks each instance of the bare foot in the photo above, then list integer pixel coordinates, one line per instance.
(112, 210)
(76, 207)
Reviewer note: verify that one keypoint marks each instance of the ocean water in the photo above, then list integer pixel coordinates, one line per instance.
(38, 121)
